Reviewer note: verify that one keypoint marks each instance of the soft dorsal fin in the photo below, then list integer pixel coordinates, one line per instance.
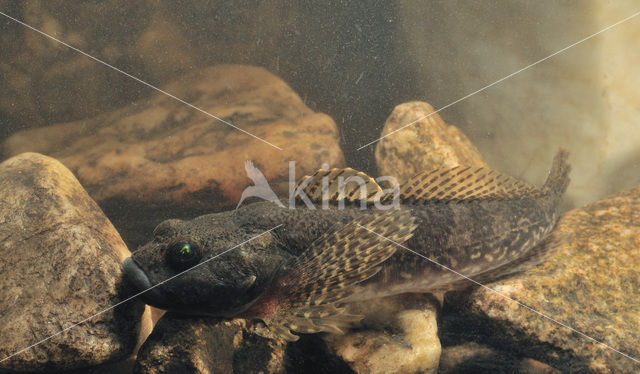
(462, 183)
(350, 180)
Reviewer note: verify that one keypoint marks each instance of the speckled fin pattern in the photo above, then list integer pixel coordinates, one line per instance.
(339, 184)
(307, 291)
(463, 183)
(460, 183)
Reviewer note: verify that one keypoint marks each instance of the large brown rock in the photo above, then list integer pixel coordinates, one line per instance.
(160, 149)
(44, 82)
(399, 334)
(159, 158)
(60, 260)
(427, 144)
(208, 345)
(589, 281)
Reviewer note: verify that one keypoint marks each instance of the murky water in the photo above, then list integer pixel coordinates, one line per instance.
(120, 93)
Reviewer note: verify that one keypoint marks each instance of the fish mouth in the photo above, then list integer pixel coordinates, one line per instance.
(148, 292)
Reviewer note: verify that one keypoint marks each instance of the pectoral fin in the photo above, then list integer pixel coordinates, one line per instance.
(305, 294)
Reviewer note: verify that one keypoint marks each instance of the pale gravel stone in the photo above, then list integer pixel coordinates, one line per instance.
(60, 260)
(425, 145)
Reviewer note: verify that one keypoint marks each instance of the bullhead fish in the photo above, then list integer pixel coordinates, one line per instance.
(293, 270)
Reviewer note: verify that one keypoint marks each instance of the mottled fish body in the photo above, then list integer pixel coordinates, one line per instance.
(466, 221)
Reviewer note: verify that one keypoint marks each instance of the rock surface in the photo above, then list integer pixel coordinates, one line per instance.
(44, 82)
(207, 345)
(589, 281)
(474, 358)
(425, 145)
(160, 158)
(399, 334)
(60, 260)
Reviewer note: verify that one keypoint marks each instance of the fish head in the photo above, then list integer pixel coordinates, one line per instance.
(209, 266)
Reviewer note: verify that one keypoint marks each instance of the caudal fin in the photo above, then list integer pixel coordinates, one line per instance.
(558, 179)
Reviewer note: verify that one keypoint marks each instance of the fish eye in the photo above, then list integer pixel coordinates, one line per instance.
(183, 255)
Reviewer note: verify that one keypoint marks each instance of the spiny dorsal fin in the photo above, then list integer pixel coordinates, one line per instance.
(349, 179)
(462, 183)
(303, 296)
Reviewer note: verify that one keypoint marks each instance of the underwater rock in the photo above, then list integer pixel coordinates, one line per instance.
(399, 334)
(60, 260)
(477, 359)
(474, 358)
(208, 345)
(160, 159)
(428, 144)
(589, 280)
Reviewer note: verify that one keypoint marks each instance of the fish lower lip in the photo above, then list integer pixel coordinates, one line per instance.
(140, 280)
